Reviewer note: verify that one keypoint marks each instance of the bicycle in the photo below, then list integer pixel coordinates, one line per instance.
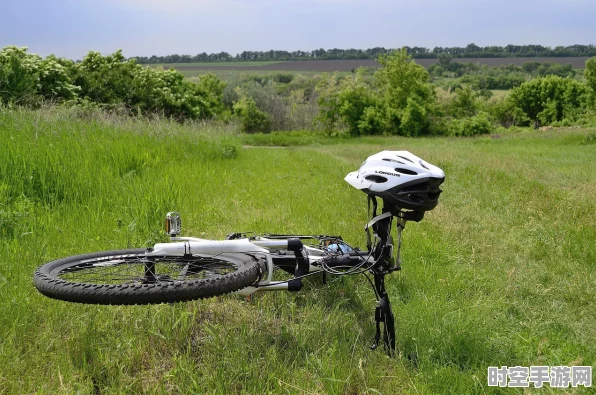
(189, 268)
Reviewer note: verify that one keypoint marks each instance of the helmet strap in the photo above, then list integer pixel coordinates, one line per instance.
(368, 225)
(381, 228)
(380, 224)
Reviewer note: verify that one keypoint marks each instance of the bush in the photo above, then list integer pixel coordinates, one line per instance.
(414, 118)
(282, 78)
(27, 79)
(590, 75)
(357, 107)
(351, 102)
(472, 126)
(508, 114)
(112, 80)
(108, 81)
(547, 100)
(252, 119)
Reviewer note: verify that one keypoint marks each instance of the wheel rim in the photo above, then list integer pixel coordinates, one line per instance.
(140, 269)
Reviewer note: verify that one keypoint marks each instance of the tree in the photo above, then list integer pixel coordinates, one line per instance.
(464, 104)
(405, 90)
(590, 74)
(398, 100)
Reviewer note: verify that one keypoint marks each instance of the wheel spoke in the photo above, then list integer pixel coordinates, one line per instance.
(133, 269)
(182, 274)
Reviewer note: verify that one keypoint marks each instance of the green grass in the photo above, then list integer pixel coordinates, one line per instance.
(500, 273)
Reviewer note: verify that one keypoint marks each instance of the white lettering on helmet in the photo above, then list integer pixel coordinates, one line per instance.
(387, 174)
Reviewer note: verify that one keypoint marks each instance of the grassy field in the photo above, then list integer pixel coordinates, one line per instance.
(500, 273)
(216, 64)
(224, 74)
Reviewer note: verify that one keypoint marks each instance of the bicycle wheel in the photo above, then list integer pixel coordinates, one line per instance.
(130, 277)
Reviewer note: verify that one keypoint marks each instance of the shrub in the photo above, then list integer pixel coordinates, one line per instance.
(414, 118)
(109, 81)
(508, 114)
(472, 126)
(27, 79)
(371, 121)
(252, 119)
(282, 78)
(549, 99)
(351, 101)
(112, 80)
(18, 75)
(590, 74)
(54, 81)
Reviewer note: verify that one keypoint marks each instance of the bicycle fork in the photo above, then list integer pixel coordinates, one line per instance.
(384, 315)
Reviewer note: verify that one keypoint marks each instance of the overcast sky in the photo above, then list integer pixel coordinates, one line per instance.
(71, 28)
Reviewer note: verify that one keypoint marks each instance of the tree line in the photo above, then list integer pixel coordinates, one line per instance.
(469, 51)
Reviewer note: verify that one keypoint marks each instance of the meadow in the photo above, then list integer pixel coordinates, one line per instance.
(500, 273)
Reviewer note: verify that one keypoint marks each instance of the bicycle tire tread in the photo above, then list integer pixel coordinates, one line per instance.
(140, 294)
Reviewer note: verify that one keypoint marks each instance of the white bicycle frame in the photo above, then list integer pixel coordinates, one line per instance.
(194, 246)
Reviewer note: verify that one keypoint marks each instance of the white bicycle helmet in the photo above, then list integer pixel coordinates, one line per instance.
(400, 179)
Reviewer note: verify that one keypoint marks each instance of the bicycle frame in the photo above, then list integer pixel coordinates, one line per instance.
(194, 246)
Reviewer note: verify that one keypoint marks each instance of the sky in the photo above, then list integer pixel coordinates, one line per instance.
(71, 28)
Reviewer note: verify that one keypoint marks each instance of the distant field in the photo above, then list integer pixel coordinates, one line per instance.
(224, 65)
(348, 65)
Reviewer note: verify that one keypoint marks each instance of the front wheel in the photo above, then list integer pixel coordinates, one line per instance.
(131, 277)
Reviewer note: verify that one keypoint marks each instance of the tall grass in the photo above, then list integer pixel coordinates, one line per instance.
(501, 273)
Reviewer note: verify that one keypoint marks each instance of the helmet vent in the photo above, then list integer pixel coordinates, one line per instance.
(393, 160)
(423, 165)
(376, 179)
(406, 171)
(405, 159)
